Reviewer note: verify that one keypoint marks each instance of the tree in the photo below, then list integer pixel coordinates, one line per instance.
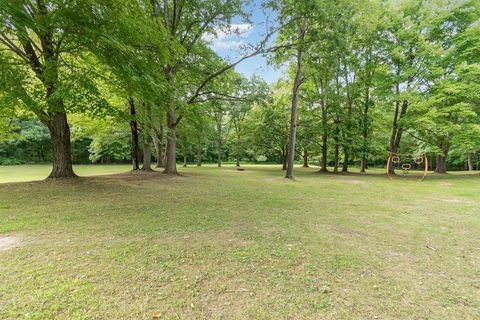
(49, 64)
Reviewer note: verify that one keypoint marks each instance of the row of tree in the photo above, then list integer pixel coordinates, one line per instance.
(361, 64)
(364, 79)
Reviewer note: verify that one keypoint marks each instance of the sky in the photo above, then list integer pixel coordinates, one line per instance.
(229, 44)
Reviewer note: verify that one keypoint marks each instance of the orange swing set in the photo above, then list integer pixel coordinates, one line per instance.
(406, 167)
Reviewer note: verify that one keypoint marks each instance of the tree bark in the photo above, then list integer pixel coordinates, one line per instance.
(185, 160)
(293, 115)
(365, 125)
(147, 154)
(159, 148)
(134, 136)
(336, 156)
(347, 145)
(199, 157)
(219, 141)
(238, 150)
(237, 164)
(284, 158)
(171, 165)
(305, 158)
(363, 164)
(441, 166)
(324, 160)
(397, 127)
(61, 147)
(345, 160)
(397, 131)
(470, 162)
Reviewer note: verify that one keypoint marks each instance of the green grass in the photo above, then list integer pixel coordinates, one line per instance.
(26, 173)
(225, 244)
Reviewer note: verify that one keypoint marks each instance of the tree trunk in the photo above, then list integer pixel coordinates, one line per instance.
(397, 132)
(305, 158)
(347, 145)
(336, 157)
(147, 154)
(365, 124)
(238, 151)
(171, 165)
(219, 142)
(441, 166)
(61, 147)
(397, 127)
(345, 161)
(293, 115)
(284, 159)
(199, 157)
(159, 148)
(470, 162)
(134, 136)
(363, 164)
(185, 160)
(324, 160)
(238, 160)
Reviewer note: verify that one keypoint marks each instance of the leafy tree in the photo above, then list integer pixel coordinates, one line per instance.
(50, 50)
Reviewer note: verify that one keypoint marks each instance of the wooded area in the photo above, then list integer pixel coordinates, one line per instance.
(105, 81)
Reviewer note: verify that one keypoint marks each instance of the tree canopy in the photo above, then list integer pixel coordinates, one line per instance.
(105, 81)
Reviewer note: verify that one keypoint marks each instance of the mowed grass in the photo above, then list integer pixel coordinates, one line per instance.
(40, 172)
(224, 244)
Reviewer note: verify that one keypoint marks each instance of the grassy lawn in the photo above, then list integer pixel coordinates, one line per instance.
(220, 243)
(40, 172)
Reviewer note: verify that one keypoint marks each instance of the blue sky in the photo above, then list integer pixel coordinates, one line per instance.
(229, 44)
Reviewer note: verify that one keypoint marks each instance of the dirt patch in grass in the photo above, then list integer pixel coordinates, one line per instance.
(9, 242)
(354, 181)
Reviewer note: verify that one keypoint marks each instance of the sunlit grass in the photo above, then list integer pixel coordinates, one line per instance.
(39, 172)
(220, 243)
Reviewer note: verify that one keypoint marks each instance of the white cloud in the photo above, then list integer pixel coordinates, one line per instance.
(229, 38)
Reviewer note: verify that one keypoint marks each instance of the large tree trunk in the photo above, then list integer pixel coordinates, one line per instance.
(470, 162)
(171, 165)
(293, 115)
(134, 136)
(147, 154)
(305, 158)
(159, 148)
(441, 166)
(60, 137)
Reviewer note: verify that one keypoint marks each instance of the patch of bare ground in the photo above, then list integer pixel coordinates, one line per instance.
(8, 242)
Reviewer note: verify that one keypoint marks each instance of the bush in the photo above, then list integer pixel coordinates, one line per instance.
(10, 161)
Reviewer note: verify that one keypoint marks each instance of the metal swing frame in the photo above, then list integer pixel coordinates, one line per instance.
(395, 158)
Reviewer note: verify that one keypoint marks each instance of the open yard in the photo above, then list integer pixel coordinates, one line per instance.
(225, 244)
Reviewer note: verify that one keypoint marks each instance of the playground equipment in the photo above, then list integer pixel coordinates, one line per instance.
(407, 162)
